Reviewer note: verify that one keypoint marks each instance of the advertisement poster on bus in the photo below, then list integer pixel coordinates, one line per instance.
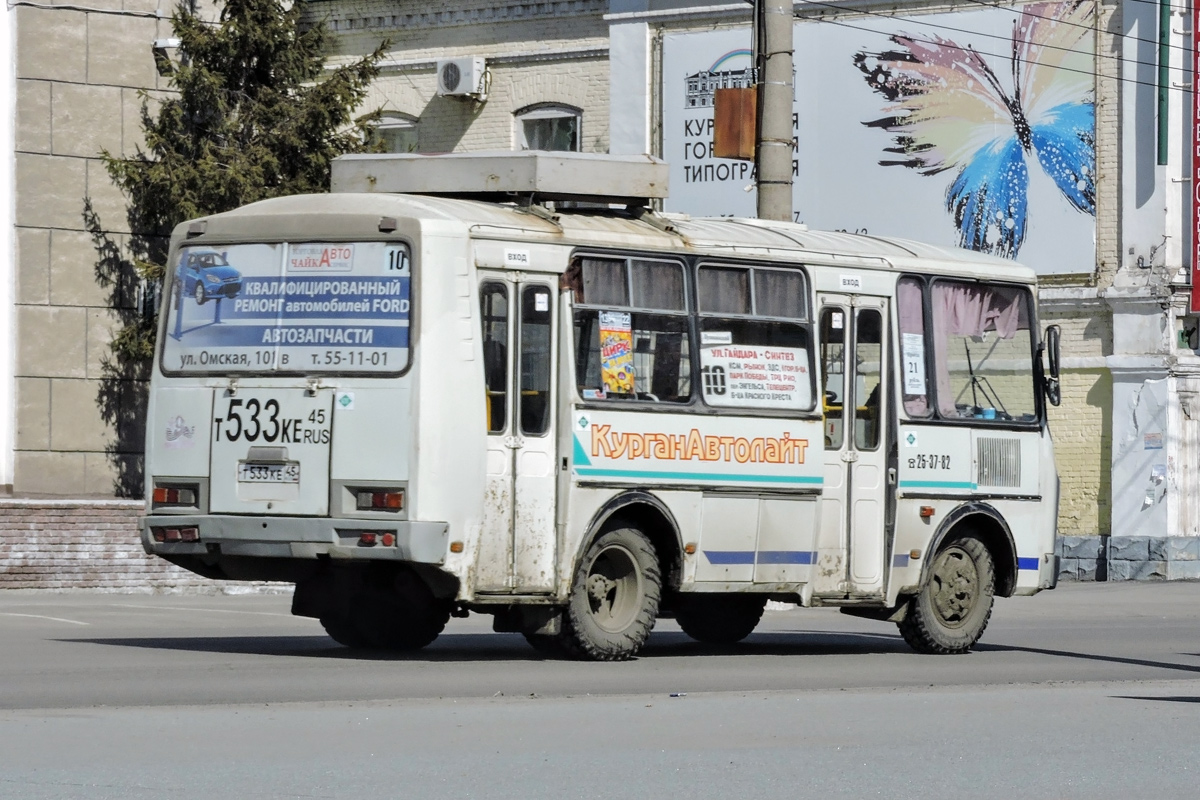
(749, 376)
(301, 307)
(973, 128)
(616, 352)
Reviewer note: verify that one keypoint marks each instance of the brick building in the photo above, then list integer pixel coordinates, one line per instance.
(615, 76)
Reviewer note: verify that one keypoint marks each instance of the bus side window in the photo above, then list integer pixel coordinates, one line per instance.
(833, 368)
(910, 303)
(493, 301)
(631, 329)
(534, 399)
(868, 356)
(755, 349)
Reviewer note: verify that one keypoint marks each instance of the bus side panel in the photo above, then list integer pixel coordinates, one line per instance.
(179, 432)
(448, 464)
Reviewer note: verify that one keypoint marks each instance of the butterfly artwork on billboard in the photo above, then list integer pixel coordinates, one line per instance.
(949, 109)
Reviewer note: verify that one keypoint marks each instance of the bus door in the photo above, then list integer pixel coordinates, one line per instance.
(517, 545)
(853, 349)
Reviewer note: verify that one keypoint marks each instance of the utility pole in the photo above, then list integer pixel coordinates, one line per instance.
(773, 150)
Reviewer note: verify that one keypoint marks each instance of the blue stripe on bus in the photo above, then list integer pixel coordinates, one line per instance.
(939, 485)
(763, 556)
(900, 560)
(786, 557)
(1028, 563)
(729, 556)
(596, 472)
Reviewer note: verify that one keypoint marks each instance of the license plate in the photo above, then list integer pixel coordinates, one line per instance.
(249, 472)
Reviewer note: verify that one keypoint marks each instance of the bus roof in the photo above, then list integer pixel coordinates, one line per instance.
(342, 216)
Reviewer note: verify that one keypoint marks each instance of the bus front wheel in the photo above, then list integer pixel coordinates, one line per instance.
(614, 597)
(720, 618)
(954, 605)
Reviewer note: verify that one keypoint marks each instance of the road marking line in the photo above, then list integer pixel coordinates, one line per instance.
(202, 610)
(41, 616)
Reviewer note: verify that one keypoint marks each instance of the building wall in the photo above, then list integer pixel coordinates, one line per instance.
(79, 74)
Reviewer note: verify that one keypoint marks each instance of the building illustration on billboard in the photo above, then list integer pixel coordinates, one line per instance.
(702, 84)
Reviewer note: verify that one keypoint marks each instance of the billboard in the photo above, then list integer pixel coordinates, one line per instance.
(973, 128)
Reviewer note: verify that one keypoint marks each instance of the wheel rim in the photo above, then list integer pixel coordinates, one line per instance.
(614, 589)
(954, 586)
(199, 292)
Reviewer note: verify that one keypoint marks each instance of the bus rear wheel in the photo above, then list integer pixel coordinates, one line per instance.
(388, 611)
(720, 618)
(614, 598)
(954, 605)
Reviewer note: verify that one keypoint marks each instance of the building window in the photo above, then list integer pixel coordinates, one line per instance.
(548, 127)
(395, 133)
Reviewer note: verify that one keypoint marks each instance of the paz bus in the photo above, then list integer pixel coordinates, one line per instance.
(502, 384)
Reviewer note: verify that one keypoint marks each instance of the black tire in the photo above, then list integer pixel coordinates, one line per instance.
(389, 611)
(343, 631)
(614, 598)
(198, 293)
(548, 645)
(720, 618)
(954, 605)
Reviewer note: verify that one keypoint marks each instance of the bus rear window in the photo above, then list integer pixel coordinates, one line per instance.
(307, 307)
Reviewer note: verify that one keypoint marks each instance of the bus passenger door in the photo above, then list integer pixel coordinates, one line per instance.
(851, 543)
(517, 546)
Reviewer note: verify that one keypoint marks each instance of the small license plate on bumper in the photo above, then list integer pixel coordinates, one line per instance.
(251, 472)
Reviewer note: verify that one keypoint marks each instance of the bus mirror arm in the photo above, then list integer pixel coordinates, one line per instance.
(1050, 345)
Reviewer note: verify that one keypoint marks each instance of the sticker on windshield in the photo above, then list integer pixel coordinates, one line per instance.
(303, 307)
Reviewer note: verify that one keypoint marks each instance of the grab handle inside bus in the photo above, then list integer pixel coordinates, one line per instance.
(1053, 389)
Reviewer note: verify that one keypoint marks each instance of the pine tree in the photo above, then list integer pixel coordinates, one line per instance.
(253, 115)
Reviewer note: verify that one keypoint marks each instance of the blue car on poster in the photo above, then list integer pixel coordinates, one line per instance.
(206, 275)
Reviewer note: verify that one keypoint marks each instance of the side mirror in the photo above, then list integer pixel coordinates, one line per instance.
(1053, 388)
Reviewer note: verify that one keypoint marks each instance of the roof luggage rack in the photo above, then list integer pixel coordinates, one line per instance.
(526, 177)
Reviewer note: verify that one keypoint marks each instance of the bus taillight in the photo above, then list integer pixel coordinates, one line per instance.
(380, 501)
(173, 496)
(191, 534)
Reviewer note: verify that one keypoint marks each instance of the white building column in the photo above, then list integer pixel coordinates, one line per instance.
(629, 88)
(8, 245)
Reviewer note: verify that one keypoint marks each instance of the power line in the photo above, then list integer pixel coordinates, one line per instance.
(1005, 39)
(1154, 42)
(1092, 73)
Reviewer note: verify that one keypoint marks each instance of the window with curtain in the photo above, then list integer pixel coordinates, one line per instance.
(755, 337)
(631, 329)
(983, 351)
(914, 377)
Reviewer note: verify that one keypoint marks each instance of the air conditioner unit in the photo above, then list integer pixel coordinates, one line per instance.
(458, 77)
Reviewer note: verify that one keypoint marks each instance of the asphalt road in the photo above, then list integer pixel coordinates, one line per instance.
(1088, 691)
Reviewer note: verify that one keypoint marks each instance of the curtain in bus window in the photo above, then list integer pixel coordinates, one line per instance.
(779, 293)
(724, 291)
(604, 282)
(657, 285)
(910, 303)
(983, 352)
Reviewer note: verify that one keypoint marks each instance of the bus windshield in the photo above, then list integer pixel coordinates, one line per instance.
(307, 307)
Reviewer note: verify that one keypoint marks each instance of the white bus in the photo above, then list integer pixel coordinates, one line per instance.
(582, 420)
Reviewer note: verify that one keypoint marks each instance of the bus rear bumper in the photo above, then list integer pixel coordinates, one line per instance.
(296, 537)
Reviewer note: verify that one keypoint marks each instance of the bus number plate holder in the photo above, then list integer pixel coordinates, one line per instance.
(252, 472)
